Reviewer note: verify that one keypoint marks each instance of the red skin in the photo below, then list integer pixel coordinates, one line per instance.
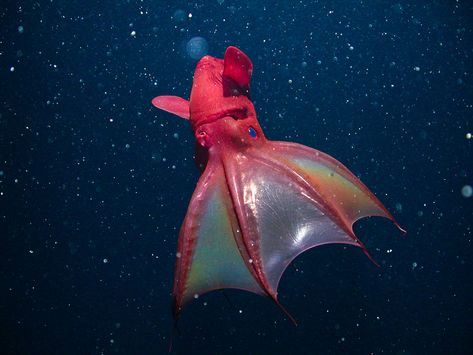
(230, 143)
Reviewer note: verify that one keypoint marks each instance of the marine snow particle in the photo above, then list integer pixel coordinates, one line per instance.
(197, 47)
(467, 191)
(21, 29)
(105, 261)
(468, 135)
(133, 33)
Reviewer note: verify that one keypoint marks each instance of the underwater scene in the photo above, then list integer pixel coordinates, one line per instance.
(211, 177)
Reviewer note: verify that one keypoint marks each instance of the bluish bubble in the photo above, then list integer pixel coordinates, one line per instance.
(179, 15)
(197, 47)
(467, 191)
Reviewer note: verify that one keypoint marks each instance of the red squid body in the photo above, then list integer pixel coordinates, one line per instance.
(258, 203)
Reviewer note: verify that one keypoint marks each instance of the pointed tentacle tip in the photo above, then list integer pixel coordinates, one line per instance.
(370, 257)
(174, 330)
(398, 226)
(285, 311)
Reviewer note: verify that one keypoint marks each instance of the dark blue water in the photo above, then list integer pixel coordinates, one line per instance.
(94, 182)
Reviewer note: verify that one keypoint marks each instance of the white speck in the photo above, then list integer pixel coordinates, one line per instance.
(290, 81)
(250, 261)
(417, 68)
(12, 69)
(467, 191)
(178, 255)
(240, 311)
(31, 251)
(468, 135)
(105, 261)
(21, 29)
(112, 341)
(389, 251)
(127, 146)
(133, 33)
(176, 135)
(190, 15)
(414, 265)
(111, 120)
(196, 295)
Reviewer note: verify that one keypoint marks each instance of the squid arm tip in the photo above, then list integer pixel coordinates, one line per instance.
(285, 311)
(403, 231)
(370, 257)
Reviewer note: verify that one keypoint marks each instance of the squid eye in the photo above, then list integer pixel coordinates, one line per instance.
(252, 132)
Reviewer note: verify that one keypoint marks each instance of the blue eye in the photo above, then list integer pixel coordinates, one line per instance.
(252, 132)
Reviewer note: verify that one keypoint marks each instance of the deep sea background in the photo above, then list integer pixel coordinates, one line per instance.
(95, 182)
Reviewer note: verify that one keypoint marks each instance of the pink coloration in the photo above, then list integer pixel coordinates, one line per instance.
(258, 203)
(173, 104)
